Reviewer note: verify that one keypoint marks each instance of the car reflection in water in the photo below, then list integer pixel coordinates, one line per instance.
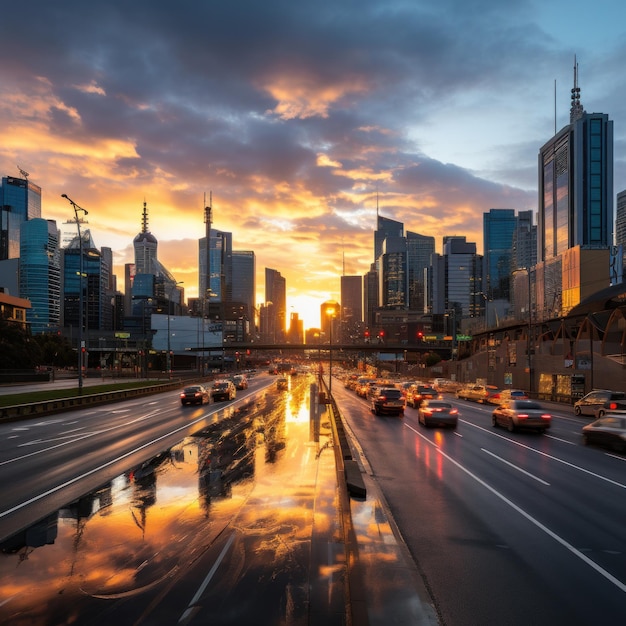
(115, 553)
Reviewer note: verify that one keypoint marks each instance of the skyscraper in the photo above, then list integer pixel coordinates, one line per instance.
(351, 307)
(575, 209)
(620, 223)
(457, 279)
(40, 274)
(145, 245)
(20, 201)
(498, 228)
(244, 280)
(420, 249)
(273, 323)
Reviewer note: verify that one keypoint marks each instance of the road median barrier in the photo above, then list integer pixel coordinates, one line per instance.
(49, 407)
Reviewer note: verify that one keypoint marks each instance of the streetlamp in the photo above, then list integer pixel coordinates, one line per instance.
(78, 221)
(169, 311)
(331, 314)
(530, 329)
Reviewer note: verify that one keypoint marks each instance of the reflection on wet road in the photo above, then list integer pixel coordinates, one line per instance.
(223, 528)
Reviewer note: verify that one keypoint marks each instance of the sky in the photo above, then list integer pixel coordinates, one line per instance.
(299, 119)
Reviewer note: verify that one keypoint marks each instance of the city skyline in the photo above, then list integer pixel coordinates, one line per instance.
(300, 126)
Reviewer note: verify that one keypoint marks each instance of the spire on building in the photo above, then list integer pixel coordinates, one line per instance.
(576, 111)
(144, 218)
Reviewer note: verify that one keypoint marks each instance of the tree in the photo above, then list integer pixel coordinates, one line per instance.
(18, 348)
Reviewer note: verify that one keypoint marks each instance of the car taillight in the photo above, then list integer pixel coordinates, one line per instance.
(382, 398)
(612, 406)
(522, 416)
(454, 411)
(546, 416)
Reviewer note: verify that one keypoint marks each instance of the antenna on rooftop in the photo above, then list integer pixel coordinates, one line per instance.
(23, 173)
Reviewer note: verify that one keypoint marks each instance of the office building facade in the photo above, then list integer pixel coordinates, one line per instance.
(20, 201)
(40, 274)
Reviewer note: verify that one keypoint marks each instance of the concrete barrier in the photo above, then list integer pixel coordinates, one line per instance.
(49, 407)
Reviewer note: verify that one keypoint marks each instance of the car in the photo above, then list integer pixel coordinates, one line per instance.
(282, 383)
(417, 393)
(363, 385)
(240, 381)
(594, 402)
(479, 393)
(509, 394)
(438, 413)
(514, 414)
(389, 401)
(195, 394)
(608, 431)
(223, 390)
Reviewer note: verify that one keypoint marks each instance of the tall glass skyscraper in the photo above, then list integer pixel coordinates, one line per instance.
(40, 274)
(498, 228)
(20, 201)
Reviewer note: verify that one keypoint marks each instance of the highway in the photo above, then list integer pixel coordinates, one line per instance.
(506, 528)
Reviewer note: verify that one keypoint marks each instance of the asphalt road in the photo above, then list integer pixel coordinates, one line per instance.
(146, 512)
(505, 528)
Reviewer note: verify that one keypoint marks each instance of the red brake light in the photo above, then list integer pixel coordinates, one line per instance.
(522, 416)
(454, 411)
(612, 406)
(546, 416)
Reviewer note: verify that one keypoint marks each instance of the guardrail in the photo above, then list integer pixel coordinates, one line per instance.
(49, 407)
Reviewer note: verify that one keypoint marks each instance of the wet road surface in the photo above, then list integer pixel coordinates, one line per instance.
(238, 524)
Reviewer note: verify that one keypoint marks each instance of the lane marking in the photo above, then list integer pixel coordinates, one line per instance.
(190, 607)
(577, 553)
(549, 456)
(517, 467)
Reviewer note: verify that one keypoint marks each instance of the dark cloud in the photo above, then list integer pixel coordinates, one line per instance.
(299, 111)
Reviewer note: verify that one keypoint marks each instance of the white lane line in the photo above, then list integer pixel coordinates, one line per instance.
(549, 456)
(516, 467)
(206, 581)
(577, 553)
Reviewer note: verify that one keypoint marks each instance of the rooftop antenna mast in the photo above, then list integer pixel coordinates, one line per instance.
(23, 173)
(576, 111)
(208, 220)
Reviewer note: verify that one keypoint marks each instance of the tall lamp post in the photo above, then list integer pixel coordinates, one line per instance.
(331, 314)
(78, 221)
(169, 311)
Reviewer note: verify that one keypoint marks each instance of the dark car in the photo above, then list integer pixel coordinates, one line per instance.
(594, 402)
(438, 413)
(514, 414)
(388, 401)
(223, 390)
(240, 381)
(196, 394)
(416, 394)
(608, 431)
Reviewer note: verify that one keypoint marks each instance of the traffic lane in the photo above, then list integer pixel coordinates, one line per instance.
(584, 507)
(446, 511)
(228, 526)
(51, 471)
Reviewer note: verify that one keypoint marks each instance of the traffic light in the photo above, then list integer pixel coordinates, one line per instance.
(420, 336)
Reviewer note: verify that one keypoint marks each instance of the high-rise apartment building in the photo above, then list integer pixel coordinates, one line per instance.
(20, 201)
(40, 274)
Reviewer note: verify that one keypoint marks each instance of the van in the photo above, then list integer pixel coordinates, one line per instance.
(593, 403)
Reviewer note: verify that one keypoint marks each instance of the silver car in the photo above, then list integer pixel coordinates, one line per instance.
(515, 414)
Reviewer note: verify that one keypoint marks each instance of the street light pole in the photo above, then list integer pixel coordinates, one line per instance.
(169, 310)
(330, 313)
(80, 289)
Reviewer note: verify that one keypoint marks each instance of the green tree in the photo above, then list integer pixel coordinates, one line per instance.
(18, 348)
